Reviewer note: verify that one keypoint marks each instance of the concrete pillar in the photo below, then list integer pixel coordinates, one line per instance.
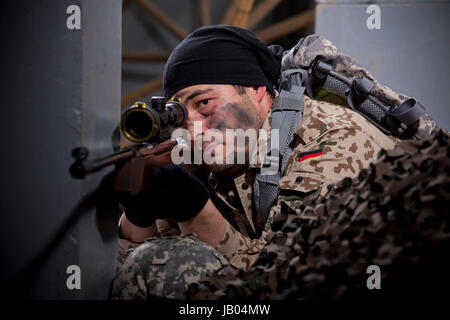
(62, 90)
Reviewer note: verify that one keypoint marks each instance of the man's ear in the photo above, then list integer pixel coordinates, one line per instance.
(260, 92)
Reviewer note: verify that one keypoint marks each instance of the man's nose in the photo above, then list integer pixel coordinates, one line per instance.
(197, 126)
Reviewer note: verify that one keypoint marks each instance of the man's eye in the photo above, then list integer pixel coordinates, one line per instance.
(203, 103)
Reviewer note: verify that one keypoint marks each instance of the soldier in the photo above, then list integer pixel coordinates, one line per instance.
(227, 78)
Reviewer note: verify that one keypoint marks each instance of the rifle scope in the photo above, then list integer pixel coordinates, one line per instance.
(141, 122)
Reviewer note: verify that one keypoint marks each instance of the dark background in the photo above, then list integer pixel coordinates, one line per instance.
(62, 88)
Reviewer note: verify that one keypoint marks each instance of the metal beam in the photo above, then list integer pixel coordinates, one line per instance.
(141, 92)
(287, 26)
(168, 23)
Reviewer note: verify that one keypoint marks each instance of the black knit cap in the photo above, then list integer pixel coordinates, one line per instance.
(222, 54)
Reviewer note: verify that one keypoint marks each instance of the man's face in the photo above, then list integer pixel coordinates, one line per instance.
(221, 107)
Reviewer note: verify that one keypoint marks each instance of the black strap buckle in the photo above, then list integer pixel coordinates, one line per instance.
(359, 91)
(319, 72)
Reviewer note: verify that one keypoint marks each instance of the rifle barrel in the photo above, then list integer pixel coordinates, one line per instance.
(80, 169)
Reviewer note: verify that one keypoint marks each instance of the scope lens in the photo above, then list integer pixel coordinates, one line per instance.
(138, 125)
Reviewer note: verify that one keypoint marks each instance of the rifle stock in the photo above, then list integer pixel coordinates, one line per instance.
(131, 177)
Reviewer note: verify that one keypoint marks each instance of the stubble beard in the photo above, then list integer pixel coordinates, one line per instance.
(236, 169)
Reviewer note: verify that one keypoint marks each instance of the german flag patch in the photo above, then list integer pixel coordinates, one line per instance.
(310, 155)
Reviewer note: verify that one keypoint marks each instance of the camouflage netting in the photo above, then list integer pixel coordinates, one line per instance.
(395, 214)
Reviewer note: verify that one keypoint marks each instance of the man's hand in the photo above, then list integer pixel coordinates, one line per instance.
(172, 192)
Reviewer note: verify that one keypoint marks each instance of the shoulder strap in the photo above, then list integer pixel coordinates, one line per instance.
(287, 111)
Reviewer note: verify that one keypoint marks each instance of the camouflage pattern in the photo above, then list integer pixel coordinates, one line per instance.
(394, 214)
(264, 260)
(164, 228)
(313, 46)
(347, 143)
(164, 267)
(425, 126)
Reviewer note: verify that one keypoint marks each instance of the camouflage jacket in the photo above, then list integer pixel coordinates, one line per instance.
(332, 142)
